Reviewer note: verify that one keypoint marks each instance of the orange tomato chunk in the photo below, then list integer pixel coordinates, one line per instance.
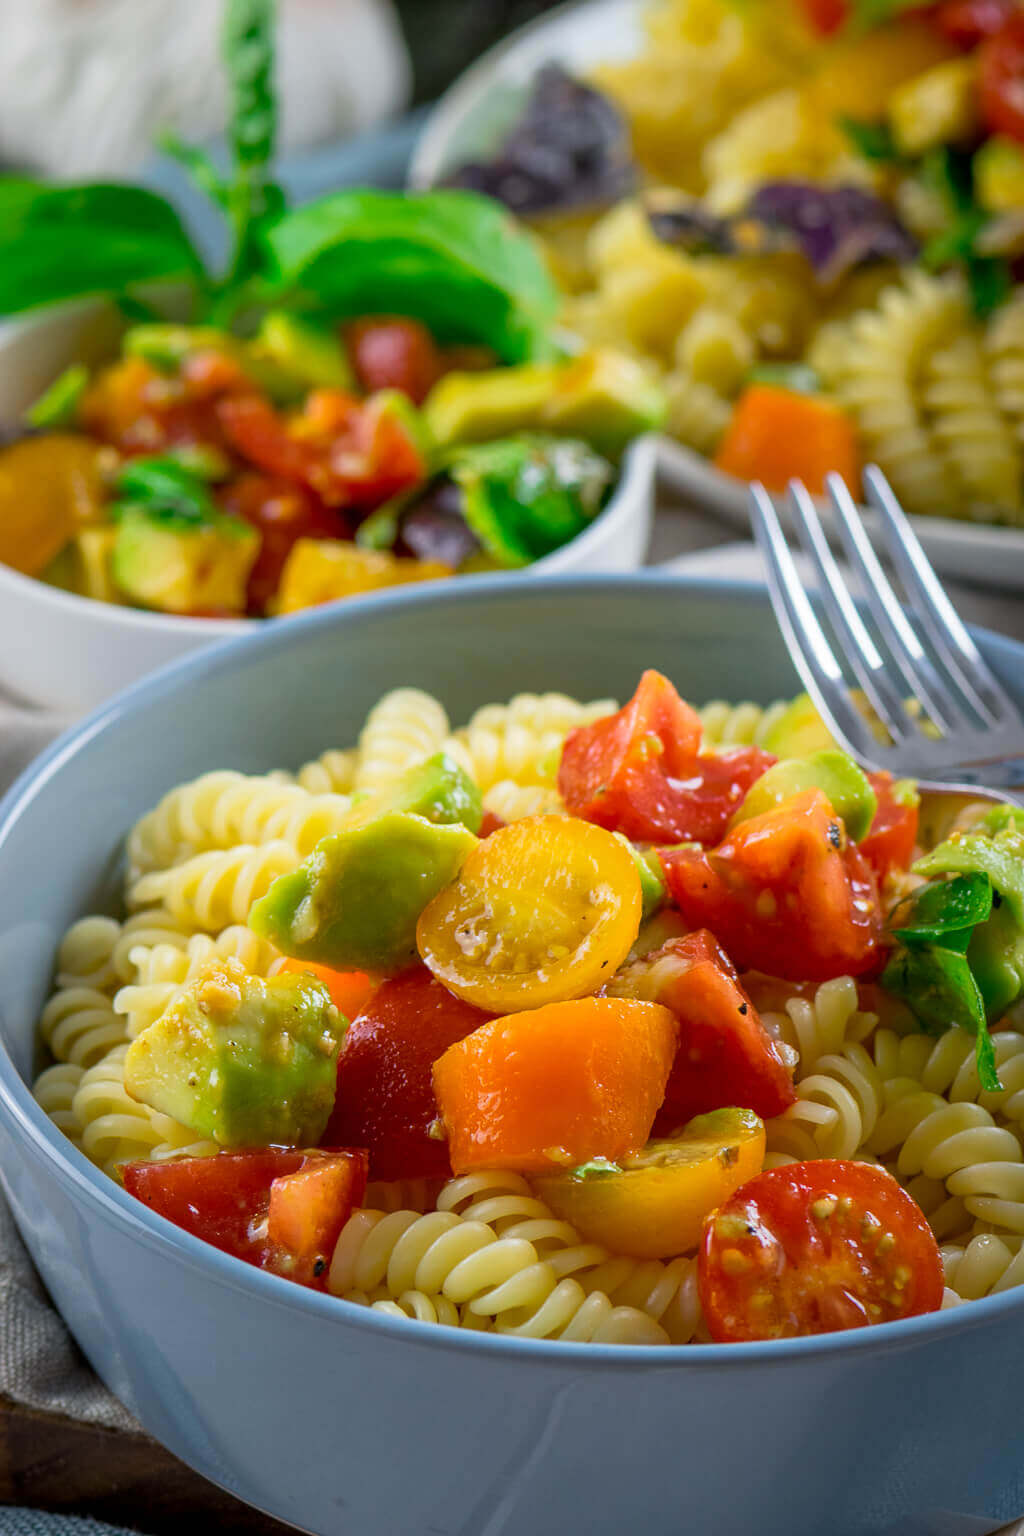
(556, 1086)
(777, 435)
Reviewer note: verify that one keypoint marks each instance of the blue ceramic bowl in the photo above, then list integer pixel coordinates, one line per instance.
(342, 1421)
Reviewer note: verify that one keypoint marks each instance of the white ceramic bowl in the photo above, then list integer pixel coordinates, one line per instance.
(70, 653)
(471, 119)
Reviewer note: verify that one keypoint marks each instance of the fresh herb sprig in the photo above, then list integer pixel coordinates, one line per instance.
(453, 259)
(929, 968)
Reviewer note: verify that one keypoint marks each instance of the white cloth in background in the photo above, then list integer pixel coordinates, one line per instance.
(85, 85)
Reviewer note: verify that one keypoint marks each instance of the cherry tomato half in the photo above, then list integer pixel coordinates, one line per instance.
(815, 1248)
(967, 22)
(1001, 79)
(543, 911)
(392, 352)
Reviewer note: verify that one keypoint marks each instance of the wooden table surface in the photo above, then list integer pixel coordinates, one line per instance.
(54, 1463)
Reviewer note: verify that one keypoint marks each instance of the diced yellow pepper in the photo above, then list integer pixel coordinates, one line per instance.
(321, 570)
(938, 107)
(999, 175)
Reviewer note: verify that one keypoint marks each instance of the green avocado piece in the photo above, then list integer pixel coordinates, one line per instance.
(166, 346)
(653, 889)
(247, 1061)
(312, 354)
(197, 569)
(526, 496)
(355, 901)
(58, 405)
(607, 399)
(998, 170)
(996, 950)
(833, 772)
(798, 731)
(438, 789)
(478, 407)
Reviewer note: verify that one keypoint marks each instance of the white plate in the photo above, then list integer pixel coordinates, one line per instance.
(471, 119)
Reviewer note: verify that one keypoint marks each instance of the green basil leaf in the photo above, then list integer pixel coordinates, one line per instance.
(944, 911)
(985, 1058)
(452, 259)
(199, 166)
(874, 141)
(990, 281)
(65, 242)
(166, 491)
(937, 986)
(526, 496)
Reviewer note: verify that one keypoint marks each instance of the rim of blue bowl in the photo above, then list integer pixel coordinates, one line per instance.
(71, 1167)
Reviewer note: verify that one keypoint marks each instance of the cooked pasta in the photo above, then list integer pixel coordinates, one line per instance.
(970, 430)
(520, 740)
(406, 727)
(851, 1077)
(1005, 349)
(220, 810)
(212, 890)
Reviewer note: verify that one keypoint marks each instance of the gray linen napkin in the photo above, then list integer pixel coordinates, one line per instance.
(36, 1522)
(40, 1364)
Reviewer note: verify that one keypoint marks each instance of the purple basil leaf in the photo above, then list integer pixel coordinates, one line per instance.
(837, 228)
(569, 149)
(433, 528)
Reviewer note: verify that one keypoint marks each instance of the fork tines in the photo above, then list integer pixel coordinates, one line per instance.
(957, 711)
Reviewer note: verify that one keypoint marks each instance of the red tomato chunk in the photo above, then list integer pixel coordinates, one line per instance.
(786, 893)
(725, 1055)
(640, 772)
(227, 1201)
(385, 1098)
(892, 837)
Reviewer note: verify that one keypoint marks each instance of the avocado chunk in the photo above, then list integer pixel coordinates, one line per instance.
(938, 106)
(246, 1061)
(995, 953)
(184, 569)
(998, 168)
(58, 405)
(438, 789)
(653, 888)
(798, 731)
(355, 901)
(525, 496)
(607, 399)
(837, 776)
(477, 407)
(312, 354)
(167, 346)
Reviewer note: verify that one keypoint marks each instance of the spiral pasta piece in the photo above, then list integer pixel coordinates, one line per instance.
(961, 1145)
(837, 1108)
(115, 1129)
(213, 890)
(163, 970)
(332, 773)
(510, 801)
(403, 729)
(822, 1025)
(223, 809)
(54, 1091)
(873, 363)
(697, 414)
(1004, 344)
(738, 725)
(984, 1266)
(85, 956)
(971, 432)
(80, 1026)
(521, 740)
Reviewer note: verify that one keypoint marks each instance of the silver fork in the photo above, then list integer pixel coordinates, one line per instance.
(977, 733)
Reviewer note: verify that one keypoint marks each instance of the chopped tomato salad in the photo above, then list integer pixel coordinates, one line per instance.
(584, 1024)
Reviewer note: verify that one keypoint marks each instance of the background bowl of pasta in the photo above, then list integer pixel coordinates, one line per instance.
(66, 650)
(678, 224)
(305, 1404)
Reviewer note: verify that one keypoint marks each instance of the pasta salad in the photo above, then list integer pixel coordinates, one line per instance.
(805, 216)
(640, 1025)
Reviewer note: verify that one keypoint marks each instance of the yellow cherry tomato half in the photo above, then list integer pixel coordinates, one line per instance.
(543, 911)
(50, 487)
(654, 1205)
